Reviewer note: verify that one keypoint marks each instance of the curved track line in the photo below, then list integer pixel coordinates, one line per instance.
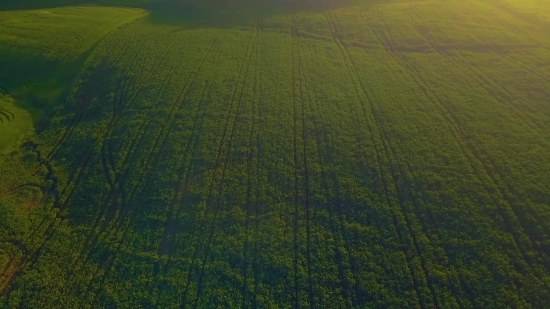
(335, 29)
(209, 200)
(178, 104)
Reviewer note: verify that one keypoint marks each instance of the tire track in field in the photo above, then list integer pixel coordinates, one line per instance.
(384, 140)
(298, 93)
(252, 155)
(86, 98)
(374, 128)
(163, 137)
(145, 177)
(8, 116)
(185, 171)
(32, 49)
(79, 42)
(403, 195)
(336, 226)
(390, 51)
(56, 203)
(61, 204)
(187, 86)
(118, 110)
(15, 248)
(244, 266)
(403, 174)
(485, 82)
(76, 175)
(512, 29)
(113, 193)
(23, 80)
(50, 191)
(469, 151)
(456, 289)
(235, 98)
(501, 94)
(108, 163)
(293, 30)
(5, 271)
(85, 102)
(260, 126)
(212, 237)
(255, 139)
(512, 12)
(33, 256)
(522, 65)
(442, 53)
(14, 189)
(17, 78)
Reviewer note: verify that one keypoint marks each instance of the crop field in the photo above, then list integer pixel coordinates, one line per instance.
(389, 154)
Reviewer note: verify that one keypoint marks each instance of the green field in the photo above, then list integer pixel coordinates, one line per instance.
(367, 154)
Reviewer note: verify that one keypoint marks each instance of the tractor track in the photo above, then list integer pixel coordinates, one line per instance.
(472, 154)
(359, 88)
(298, 93)
(32, 255)
(113, 191)
(150, 164)
(486, 82)
(178, 104)
(212, 237)
(500, 94)
(336, 226)
(295, 297)
(469, 151)
(184, 172)
(86, 98)
(253, 134)
(208, 203)
(258, 199)
(8, 116)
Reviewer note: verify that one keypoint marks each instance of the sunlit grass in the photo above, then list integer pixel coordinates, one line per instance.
(62, 32)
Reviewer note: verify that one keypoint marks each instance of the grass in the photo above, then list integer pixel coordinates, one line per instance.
(16, 125)
(42, 51)
(367, 156)
(62, 33)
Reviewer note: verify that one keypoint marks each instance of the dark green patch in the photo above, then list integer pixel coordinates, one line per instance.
(36, 83)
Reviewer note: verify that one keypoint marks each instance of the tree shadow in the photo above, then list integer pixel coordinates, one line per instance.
(38, 84)
(39, 4)
(205, 13)
(238, 13)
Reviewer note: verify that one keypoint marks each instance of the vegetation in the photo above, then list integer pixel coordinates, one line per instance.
(43, 50)
(377, 155)
(16, 124)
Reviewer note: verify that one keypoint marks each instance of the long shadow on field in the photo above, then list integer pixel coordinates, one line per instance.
(38, 4)
(37, 84)
(205, 13)
(224, 14)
